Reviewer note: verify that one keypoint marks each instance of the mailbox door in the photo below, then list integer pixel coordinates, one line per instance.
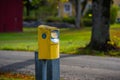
(44, 44)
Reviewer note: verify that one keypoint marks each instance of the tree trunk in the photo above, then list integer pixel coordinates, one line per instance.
(78, 13)
(84, 3)
(28, 8)
(101, 23)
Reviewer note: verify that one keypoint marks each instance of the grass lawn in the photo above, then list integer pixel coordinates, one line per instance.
(70, 39)
(26, 40)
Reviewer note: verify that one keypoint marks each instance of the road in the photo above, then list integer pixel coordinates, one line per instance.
(73, 67)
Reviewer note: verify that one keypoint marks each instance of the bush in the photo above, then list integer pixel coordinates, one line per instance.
(87, 21)
(88, 14)
(46, 11)
(29, 18)
(70, 20)
(113, 15)
(53, 19)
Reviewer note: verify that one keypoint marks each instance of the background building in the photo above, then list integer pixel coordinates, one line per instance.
(11, 15)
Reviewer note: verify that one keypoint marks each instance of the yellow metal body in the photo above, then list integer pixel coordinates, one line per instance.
(47, 49)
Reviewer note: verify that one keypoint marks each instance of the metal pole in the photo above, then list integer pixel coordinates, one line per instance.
(36, 66)
(44, 70)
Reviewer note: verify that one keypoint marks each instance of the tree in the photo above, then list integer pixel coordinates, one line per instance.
(78, 13)
(101, 24)
(80, 7)
(32, 4)
(84, 3)
(27, 5)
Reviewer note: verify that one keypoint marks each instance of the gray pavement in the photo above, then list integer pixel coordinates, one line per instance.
(73, 67)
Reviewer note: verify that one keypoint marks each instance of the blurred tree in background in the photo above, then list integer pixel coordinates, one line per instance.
(101, 25)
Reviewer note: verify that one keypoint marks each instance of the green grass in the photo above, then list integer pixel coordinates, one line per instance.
(70, 39)
(26, 40)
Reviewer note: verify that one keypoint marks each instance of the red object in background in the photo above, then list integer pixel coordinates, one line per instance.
(11, 15)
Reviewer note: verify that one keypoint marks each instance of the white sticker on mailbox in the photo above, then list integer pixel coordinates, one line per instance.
(55, 36)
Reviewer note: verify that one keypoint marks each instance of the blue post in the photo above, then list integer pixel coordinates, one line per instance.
(44, 70)
(36, 67)
(50, 68)
(53, 69)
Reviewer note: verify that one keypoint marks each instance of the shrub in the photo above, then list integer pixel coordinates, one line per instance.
(70, 20)
(88, 14)
(29, 18)
(46, 11)
(113, 15)
(87, 21)
(53, 19)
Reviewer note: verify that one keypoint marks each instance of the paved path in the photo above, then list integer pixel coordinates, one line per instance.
(73, 67)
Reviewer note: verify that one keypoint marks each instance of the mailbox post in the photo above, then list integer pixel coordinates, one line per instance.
(48, 49)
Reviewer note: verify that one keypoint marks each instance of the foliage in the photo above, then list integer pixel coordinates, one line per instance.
(53, 2)
(88, 14)
(70, 20)
(35, 2)
(15, 76)
(113, 15)
(53, 19)
(87, 19)
(115, 35)
(87, 22)
(115, 41)
(46, 11)
(28, 18)
(40, 8)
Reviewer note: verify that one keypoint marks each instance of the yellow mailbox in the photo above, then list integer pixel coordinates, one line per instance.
(48, 42)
